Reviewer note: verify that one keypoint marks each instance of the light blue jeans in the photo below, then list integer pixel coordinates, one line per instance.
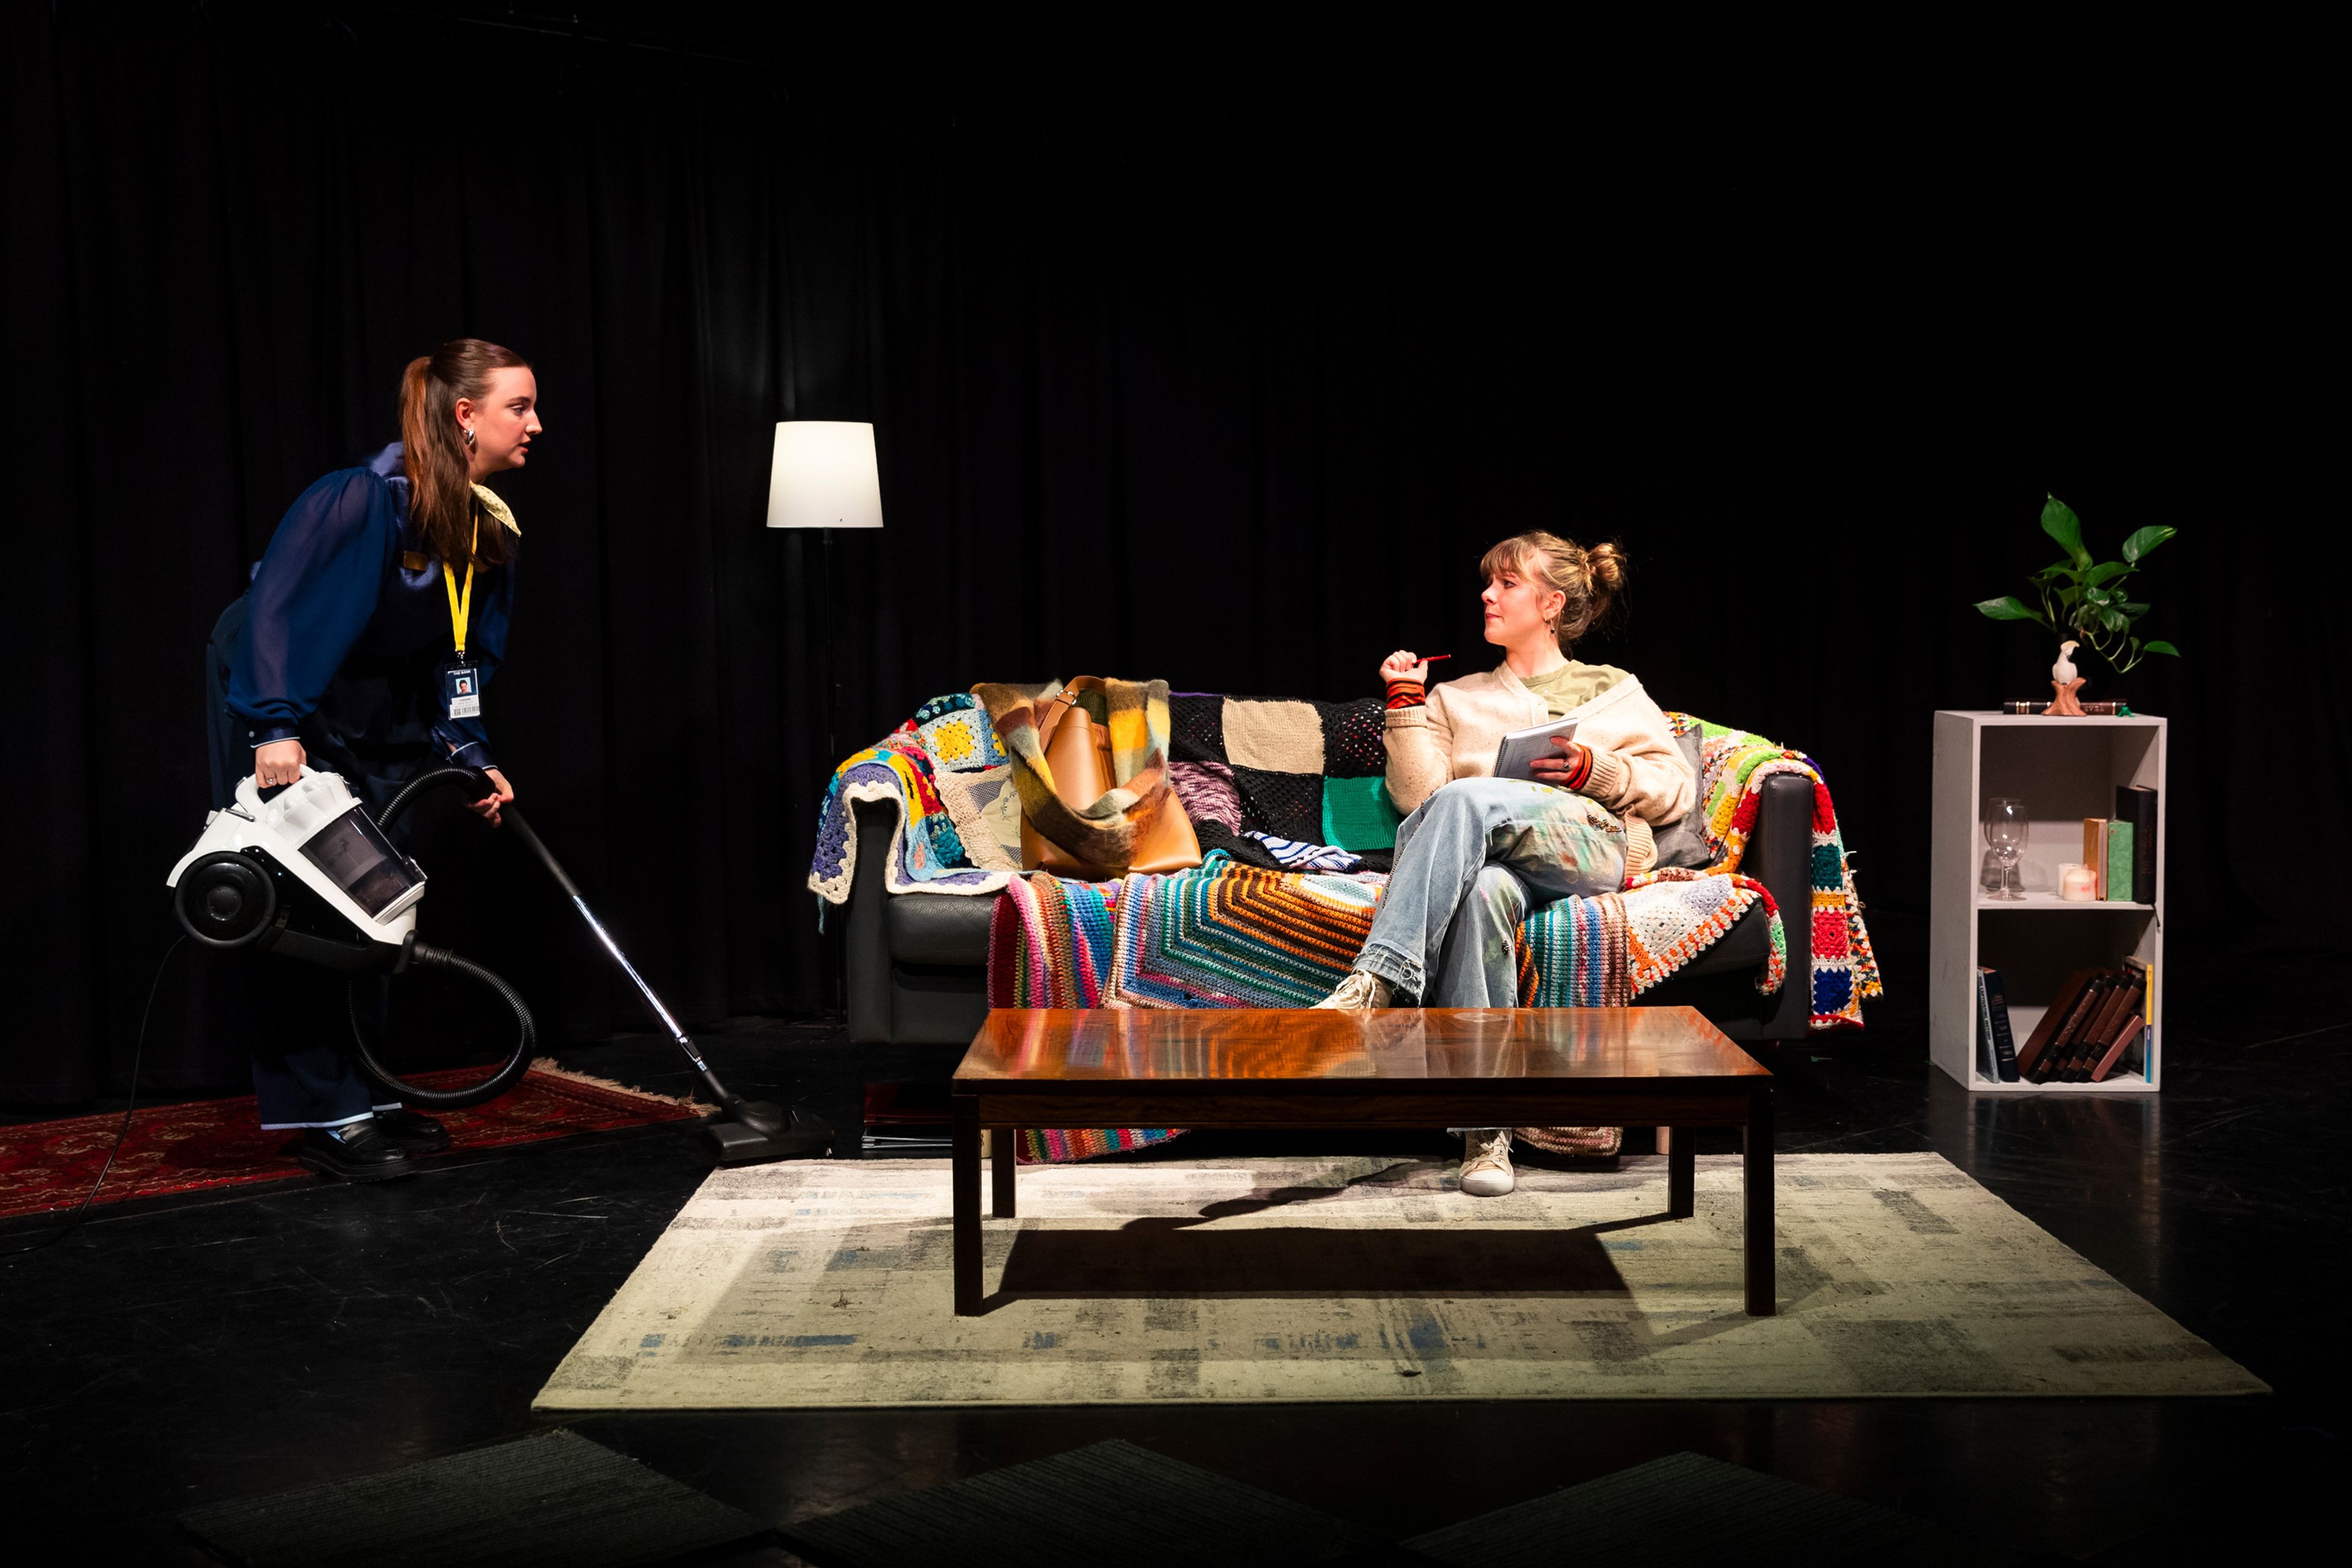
(1470, 864)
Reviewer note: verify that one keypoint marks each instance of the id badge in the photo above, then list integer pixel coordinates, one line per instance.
(461, 691)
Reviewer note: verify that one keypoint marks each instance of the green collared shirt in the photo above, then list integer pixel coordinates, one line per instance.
(1571, 686)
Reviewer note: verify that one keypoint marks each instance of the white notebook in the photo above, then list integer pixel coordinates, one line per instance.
(1522, 747)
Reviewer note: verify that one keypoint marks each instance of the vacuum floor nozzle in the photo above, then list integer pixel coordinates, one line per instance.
(752, 1131)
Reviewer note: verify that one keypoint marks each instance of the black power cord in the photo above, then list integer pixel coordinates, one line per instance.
(138, 1052)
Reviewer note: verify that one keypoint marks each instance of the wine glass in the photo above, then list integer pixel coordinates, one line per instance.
(2004, 831)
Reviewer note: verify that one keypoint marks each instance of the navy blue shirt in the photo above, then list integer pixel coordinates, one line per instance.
(346, 576)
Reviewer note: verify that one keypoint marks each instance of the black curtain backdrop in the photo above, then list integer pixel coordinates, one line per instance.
(1226, 387)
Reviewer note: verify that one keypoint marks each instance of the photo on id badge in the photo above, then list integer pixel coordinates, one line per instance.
(458, 692)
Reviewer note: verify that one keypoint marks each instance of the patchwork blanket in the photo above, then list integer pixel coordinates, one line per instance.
(1314, 773)
(1733, 767)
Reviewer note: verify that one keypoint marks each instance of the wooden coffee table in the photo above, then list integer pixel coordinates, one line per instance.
(1390, 1066)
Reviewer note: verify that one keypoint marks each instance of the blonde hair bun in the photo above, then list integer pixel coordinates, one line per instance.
(1590, 581)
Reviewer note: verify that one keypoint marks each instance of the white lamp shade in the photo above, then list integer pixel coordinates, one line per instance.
(825, 476)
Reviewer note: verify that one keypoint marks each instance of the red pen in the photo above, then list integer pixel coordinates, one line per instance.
(1432, 658)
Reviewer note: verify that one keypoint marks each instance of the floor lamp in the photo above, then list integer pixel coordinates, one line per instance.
(824, 476)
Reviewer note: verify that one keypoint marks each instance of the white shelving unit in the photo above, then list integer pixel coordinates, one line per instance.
(2063, 770)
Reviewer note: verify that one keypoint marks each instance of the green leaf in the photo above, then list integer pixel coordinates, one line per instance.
(2134, 609)
(2059, 521)
(2164, 648)
(2007, 608)
(2113, 621)
(2104, 570)
(2146, 539)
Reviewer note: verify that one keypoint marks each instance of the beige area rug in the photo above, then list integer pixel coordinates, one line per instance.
(825, 1284)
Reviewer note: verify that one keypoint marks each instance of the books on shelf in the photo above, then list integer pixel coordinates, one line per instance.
(2136, 804)
(2091, 1026)
(1997, 1051)
(2107, 850)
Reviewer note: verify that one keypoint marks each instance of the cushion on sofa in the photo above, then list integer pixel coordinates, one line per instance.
(1684, 843)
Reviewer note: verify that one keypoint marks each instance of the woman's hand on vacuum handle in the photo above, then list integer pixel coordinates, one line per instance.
(279, 763)
(501, 792)
(1402, 665)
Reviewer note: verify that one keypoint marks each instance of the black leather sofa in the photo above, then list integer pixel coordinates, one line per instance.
(918, 961)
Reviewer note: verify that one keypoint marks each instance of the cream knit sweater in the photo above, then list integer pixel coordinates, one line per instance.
(1638, 772)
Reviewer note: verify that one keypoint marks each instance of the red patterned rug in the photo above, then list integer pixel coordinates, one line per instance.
(46, 1165)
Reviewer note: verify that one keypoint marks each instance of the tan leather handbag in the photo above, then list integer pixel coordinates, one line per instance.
(1079, 751)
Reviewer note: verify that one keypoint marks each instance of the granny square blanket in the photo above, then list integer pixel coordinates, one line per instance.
(943, 758)
(1733, 767)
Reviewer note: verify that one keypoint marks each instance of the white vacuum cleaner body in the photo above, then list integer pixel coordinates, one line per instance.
(307, 873)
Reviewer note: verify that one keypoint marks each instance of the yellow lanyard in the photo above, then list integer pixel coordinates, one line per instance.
(461, 611)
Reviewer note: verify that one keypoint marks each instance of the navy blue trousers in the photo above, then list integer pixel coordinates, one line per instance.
(373, 731)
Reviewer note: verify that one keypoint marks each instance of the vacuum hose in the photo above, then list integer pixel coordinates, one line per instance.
(425, 955)
(432, 778)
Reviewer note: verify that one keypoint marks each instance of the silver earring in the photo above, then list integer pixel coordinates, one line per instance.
(469, 434)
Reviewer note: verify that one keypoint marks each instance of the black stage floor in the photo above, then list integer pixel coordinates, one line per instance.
(180, 1350)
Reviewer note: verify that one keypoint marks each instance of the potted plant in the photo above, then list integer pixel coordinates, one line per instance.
(2089, 598)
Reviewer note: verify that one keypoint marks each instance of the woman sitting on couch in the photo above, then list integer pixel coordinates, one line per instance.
(1479, 852)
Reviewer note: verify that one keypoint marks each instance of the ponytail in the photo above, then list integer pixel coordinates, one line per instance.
(440, 483)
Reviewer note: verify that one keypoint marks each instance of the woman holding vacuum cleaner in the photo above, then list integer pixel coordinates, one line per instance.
(373, 626)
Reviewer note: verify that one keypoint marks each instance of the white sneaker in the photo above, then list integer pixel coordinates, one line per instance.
(1487, 1164)
(1362, 988)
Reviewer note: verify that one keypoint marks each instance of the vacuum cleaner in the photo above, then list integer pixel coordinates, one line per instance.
(307, 874)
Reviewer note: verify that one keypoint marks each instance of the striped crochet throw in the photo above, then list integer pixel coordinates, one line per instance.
(1227, 935)
(1604, 951)
(1049, 945)
(1733, 767)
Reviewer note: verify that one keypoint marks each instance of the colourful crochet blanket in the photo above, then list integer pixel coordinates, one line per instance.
(1229, 935)
(1606, 950)
(934, 762)
(1733, 767)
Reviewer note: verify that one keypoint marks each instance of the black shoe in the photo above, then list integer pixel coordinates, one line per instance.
(415, 1133)
(356, 1151)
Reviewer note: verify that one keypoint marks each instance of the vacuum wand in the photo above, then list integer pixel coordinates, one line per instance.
(748, 1130)
(531, 842)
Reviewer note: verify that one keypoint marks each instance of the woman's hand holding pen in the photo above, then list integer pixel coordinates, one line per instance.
(1405, 665)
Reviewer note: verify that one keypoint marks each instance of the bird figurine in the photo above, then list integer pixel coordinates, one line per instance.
(2064, 683)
